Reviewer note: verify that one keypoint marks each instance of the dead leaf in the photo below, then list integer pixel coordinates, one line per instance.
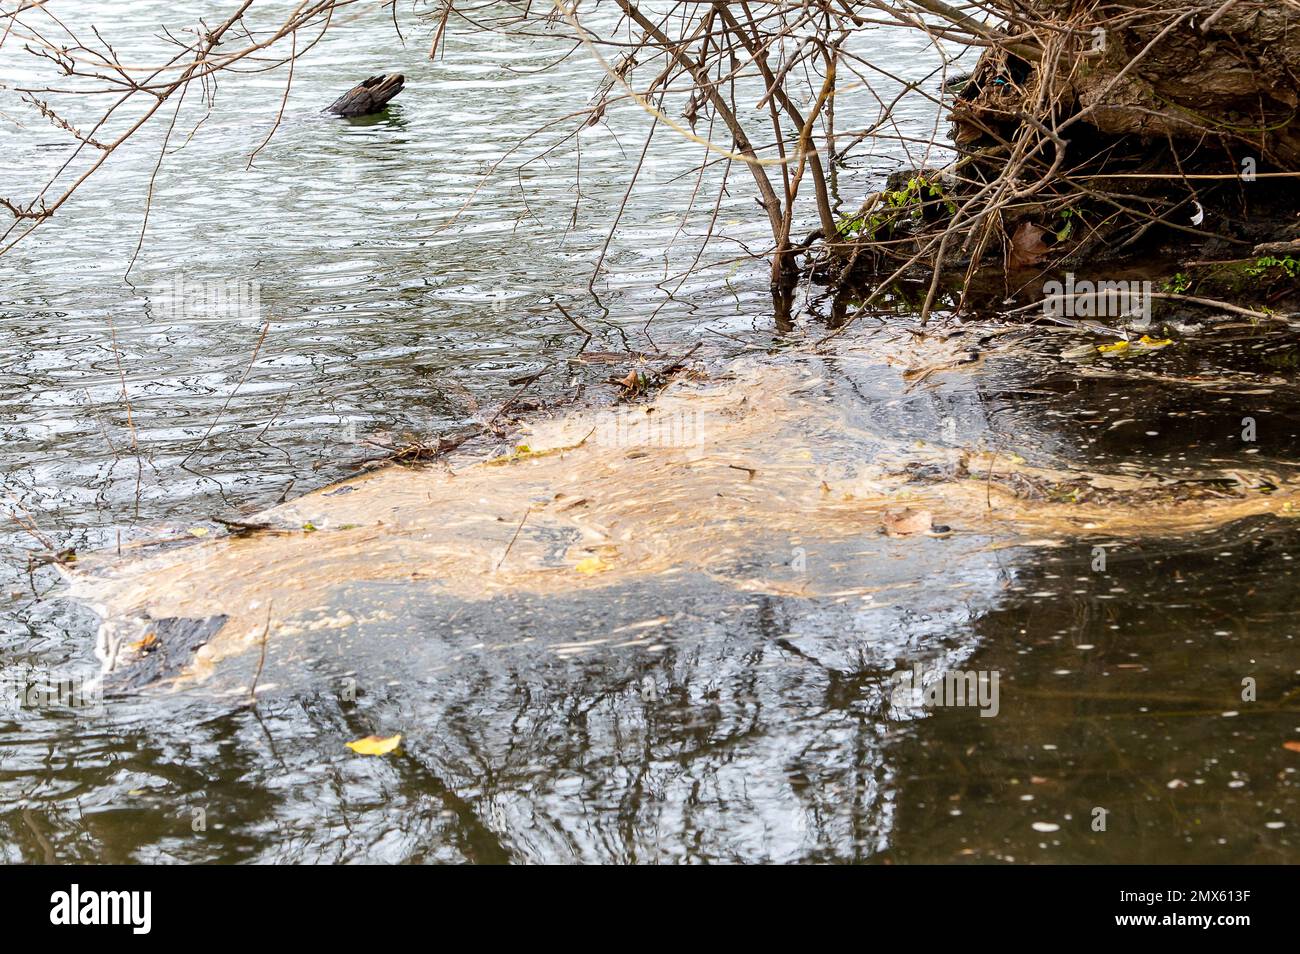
(634, 383)
(902, 523)
(375, 744)
(1291, 746)
(591, 566)
(1027, 245)
(148, 644)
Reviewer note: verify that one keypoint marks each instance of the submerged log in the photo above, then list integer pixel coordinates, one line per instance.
(370, 96)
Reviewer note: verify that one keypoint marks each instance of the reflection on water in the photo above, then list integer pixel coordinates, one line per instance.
(737, 702)
(732, 700)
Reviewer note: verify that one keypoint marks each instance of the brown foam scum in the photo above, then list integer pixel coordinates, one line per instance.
(584, 505)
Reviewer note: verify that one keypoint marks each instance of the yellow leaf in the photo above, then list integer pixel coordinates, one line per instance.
(524, 452)
(1149, 342)
(198, 531)
(1117, 346)
(591, 565)
(375, 745)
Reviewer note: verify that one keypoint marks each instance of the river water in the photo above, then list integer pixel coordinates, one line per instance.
(721, 689)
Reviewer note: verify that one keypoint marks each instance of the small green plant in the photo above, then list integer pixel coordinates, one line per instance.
(1178, 284)
(1289, 266)
(860, 225)
(935, 191)
(901, 203)
(908, 195)
(1066, 228)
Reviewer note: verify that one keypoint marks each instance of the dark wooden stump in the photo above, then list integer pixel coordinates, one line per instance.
(368, 97)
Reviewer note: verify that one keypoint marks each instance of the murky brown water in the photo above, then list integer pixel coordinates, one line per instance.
(664, 643)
